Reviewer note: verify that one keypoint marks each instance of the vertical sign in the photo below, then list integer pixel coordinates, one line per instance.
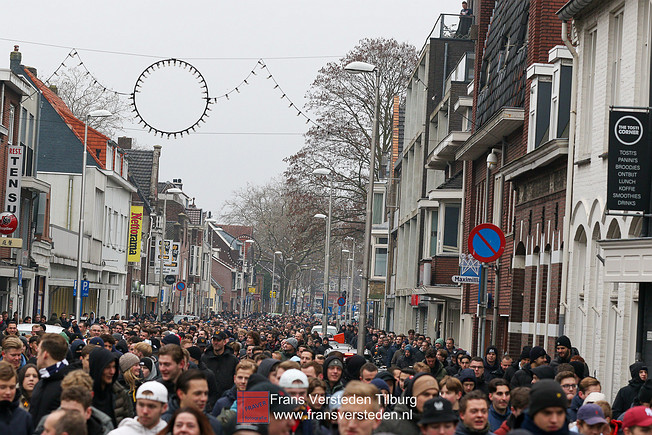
(628, 176)
(135, 233)
(14, 172)
(171, 252)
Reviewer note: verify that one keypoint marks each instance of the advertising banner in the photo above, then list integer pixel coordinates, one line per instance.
(628, 176)
(14, 173)
(135, 234)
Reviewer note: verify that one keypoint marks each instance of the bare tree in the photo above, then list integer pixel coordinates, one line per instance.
(344, 104)
(82, 94)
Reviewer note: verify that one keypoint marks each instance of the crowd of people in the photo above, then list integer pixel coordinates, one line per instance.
(213, 376)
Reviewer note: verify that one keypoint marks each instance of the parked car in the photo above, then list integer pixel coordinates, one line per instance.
(26, 328)
(330, 330)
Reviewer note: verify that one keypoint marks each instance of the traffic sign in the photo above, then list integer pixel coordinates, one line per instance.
(85, 286)
(169, 279)
(8, 222)
(486, 242)
(181, 286)
(341, 301)
(469, 270)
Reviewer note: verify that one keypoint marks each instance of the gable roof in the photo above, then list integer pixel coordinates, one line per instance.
(141, 163)
(95, 140)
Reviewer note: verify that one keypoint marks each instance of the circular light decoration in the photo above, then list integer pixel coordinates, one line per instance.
(166, 63)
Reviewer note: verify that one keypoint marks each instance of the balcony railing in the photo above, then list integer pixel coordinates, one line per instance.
(449, 26)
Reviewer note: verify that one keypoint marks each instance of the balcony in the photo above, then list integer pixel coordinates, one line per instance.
(445, 150)
(453, 26)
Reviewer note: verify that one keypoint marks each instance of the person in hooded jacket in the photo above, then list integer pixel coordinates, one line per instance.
(523, 377)
(108, 395)
(13, 419)
(267, 368)
(333, 371)
(627, 394)
(352, 368)
(408, 358)
(421, 388)
(524, 358)
(491, 362)
(219, 358)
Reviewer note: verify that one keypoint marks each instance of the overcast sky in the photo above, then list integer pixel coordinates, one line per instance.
(245, 138)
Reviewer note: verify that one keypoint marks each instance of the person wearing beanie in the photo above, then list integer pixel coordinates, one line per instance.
(418, 390)
(491, 362)
(171, 339)
(523, 377)
(468, 380)
(333, 368)
(440, 343)
(546, 413)
(289, 349)
(627, 394)
(542, 372)
(564, 352)
(408, 358)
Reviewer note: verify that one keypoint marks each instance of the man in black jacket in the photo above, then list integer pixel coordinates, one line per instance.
(626, 395)
(52, 367)
(220, 360)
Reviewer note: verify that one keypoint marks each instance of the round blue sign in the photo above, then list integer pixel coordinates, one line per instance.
(486, 242)
(181, 286)
(341, 301)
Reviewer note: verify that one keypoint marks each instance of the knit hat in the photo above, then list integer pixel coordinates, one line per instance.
(491, 349)
(537, 352)
(563, 341)
(424, 383)
(195, 352)
(440, 341)
(127, 361)
(408, 348)
(525, 353)
(171, 339)
(544, 372)
(645, 393)
(380, 384)
(147, 362)
(546, 394)
(292, 342)
(578, 367)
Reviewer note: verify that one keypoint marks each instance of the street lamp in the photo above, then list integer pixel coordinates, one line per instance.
(365, 68)
(349, 305)
(163, 225)
(327, 261)
(242, 284)
(339, 284)
(101, 113)
(274, 278)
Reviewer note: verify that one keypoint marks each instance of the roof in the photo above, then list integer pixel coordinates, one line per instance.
(96, 142)
(194, 214)
(454, 183)
(573, 8)
(140, 168)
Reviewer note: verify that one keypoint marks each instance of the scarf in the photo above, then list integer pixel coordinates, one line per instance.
(49, 371)
(472, 431)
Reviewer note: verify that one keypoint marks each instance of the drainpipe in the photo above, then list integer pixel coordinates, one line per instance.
(570, 173)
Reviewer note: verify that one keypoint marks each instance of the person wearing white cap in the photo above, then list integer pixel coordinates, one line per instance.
(151, 403)
(295, 383)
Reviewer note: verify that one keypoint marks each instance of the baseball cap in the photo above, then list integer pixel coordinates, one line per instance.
(638, 416)
(220, 336)
(202, 342)
(591, 414)
(153, 390)
(293, 378)
(96, 341)
(437, 410)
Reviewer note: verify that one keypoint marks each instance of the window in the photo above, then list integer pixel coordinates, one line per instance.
(434, 224)
(378, 212)
(616, 56)
(591, 41)
(380, 263)
(23, 126)
(540, 98)
(479, 202)
(10, 127)
(450, 233)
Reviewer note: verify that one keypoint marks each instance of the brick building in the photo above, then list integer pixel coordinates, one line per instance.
(520, 117)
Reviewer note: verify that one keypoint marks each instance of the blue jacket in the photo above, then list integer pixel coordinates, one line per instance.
(495, 419)
(14, 419)
(225, 401)
(23, 361)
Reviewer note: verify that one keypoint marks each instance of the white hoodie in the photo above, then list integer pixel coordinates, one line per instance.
(130, 426)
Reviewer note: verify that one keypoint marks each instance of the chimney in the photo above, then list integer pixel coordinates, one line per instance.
(178, 183)
(14, 60)
(125, 142)
(54, 89)
(153, 185)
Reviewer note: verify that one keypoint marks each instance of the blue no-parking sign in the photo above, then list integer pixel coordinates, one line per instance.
(486, 242)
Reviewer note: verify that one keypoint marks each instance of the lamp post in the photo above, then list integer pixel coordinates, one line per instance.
(363, 67)
(242, 283)
(349, 299)
(327, 255)
(274, 279)
(174, 191)
(101, 113)
(339, 283)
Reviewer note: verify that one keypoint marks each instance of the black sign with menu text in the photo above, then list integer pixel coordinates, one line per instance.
(628, 176)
